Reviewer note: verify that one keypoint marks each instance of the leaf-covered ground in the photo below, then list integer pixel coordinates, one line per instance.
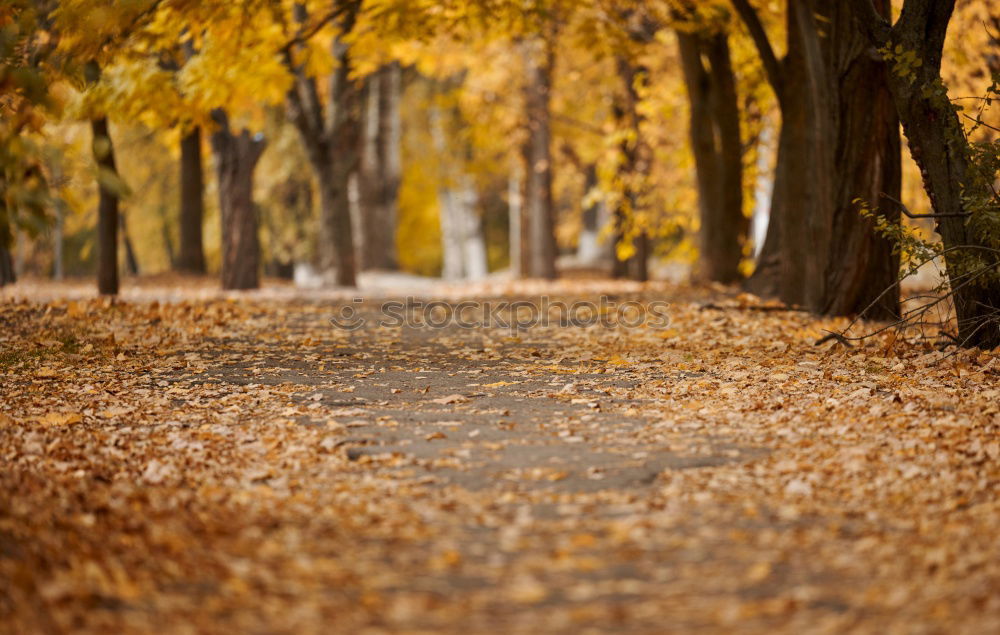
(240, 465)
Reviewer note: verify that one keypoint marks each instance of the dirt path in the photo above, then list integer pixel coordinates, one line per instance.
(243, 465)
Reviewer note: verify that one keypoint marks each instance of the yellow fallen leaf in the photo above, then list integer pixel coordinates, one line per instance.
(759, 572)
(60, 418)
(497, 384)
(528, 591)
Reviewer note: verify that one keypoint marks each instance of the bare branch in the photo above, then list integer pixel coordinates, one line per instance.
(906, 212)
(772, 67)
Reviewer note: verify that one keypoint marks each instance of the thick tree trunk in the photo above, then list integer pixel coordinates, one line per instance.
(538, 209)
(380, 170)
(336, 254)
(236, 157)
(808, 189)
(107, 209)
(939, 147)
(861, 264)
(838, 142)
(191, 258)
(331, 135)
(715, 142)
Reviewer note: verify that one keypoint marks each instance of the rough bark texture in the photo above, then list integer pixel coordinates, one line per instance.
(539, 222)
(838, 142)
(107, 209)
(331, 135)
(380, 170)
(715, 142)
(808, 189)
(939, 147)
(861, 265)
(236, 157)
(191, 257)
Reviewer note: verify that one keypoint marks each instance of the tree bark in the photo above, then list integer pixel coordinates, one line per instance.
(462, 241)
(6, 267)
(595, 216)
(539, 222)
(7, 275)
(380, 170)
(131, 262)
(331, 135)
(715, 143)
(861, 264)
(808, 190)
(942, 152)
(236, 157)
(633, 171)
(836, 144)
(107, 209)
(191, 258)
(515, 215)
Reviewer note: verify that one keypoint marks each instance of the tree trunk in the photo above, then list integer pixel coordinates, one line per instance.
(939, 147)
(463, 245)
(107, 208)
(588, 250)
(633, 172)
(380, 170)
(538, 209)
(861, 265)
(808, 189)
(7, 275)
(836, 144)
(336, 237)
(766, 277)
(515, 214)
(462, 240)
(131, 262)
(330, 134)
(191, 258)
(6, 267)
(715, 142)
(236, 157)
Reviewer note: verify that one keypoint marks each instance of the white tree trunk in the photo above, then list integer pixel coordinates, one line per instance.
(462, 242)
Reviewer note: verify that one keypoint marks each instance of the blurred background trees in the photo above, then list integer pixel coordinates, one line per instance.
(531, 138)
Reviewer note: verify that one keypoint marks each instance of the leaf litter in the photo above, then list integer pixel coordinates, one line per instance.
(206, 464)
